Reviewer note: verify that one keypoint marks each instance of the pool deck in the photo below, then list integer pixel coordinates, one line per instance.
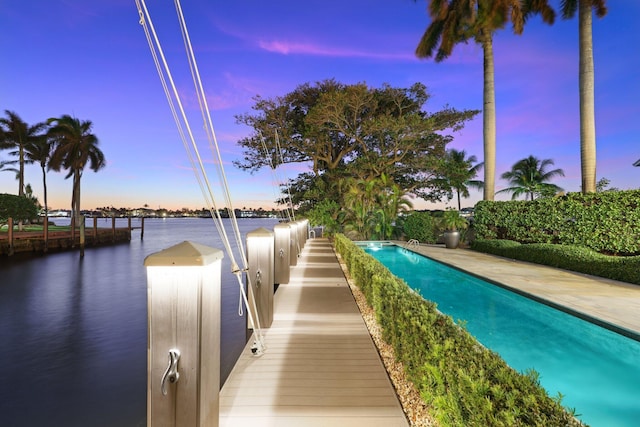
(611, 303)
(320, 367)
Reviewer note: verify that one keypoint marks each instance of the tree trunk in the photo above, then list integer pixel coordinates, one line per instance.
(21, 170)
(76, 192)
(75, 195)
(489, 120)
(587, 103)
(21, 177)
(73, 200)
(44, 186)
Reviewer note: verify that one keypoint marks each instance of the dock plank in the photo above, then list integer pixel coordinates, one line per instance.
(320, 366)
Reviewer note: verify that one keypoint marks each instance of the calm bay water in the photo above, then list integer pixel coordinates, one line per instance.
(74, 330)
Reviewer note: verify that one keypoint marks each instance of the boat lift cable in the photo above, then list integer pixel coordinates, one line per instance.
(199, 170)
(208, 126)
(172, 106)
(276, 182)
(279, 152)
(144, 18)
(215, 150)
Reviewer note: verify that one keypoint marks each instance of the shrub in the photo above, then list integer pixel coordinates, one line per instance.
(17, 207)
(452, 221)
(420, 226)
(607, 222)
(574, 258)
(325, 214)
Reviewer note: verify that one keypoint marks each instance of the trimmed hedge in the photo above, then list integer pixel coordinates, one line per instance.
(419, 226)
(574, 258)
(607, 222)
(464, 383)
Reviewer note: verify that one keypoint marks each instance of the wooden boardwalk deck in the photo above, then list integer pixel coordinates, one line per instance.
(320, 367)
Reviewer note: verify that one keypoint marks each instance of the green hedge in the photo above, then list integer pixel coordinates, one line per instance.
(607, 222)
(419, 226)
(574, 258)
(464, 383)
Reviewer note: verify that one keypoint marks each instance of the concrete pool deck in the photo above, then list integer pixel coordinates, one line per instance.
(611, 303)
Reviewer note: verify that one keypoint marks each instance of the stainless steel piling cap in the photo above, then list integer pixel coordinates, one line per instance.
(184, 254)
(260, 232)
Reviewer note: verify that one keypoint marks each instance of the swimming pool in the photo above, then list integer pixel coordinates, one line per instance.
(596, 370)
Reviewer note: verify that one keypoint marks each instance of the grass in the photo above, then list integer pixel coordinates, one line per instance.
(5, 229)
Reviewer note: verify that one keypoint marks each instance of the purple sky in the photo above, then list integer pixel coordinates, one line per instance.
(90, 59)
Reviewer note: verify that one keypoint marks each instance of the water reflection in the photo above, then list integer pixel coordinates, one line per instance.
(74, 331)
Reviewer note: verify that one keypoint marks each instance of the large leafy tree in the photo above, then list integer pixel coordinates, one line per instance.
(530, 177)
(458, 173)
(458, 21)
(75, 148)
(16, 135)
(286, 115)
(350, 131)
(367, 148)
(586, 84)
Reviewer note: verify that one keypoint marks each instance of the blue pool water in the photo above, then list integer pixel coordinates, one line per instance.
(596, 370)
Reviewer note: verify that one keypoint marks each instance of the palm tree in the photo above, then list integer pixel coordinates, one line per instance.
(15, 135)
(586, 83)
(7, 166)
(358, 203)
(457, 21)
(40, 151)
(390, 202)
(75, 146)
(459, 173)
(530, 176)
(370, 206)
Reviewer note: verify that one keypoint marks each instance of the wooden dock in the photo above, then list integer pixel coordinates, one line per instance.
(320, 367)
(35, 242)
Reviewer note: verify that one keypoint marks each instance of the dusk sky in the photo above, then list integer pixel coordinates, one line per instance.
(90, 59)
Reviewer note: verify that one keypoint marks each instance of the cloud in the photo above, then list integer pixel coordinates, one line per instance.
(284, 47)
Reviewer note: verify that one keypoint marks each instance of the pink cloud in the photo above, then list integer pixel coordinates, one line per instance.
(295, 48)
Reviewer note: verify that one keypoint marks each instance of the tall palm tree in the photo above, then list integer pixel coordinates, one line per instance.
(586, 83)
(530, 177)
(459, 174)
(40, 151)
(15, 135)
(458, 21)
(75, 146)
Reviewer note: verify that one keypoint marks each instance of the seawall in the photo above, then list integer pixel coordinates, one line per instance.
(34, 242)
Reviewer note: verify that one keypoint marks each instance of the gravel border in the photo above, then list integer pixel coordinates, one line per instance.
(416, 411)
